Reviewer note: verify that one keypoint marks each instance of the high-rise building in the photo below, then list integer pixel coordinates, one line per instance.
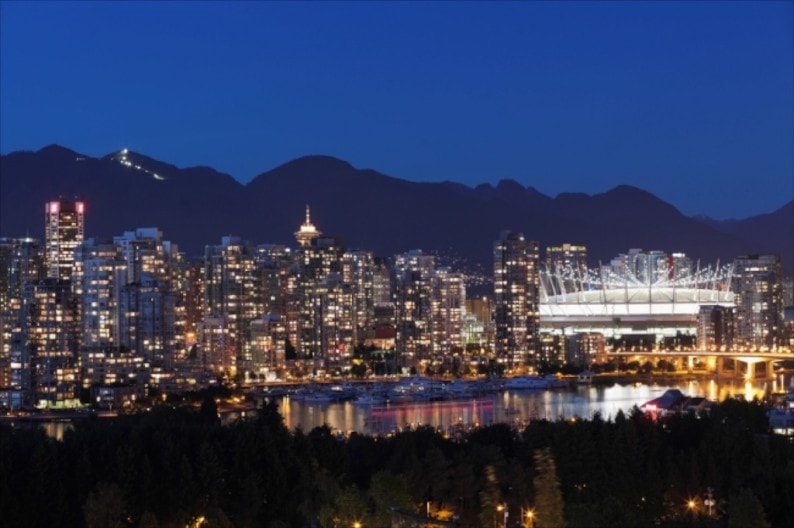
(267, 343)
(640, 266)
(316, 259)
(757, 285)
(218, 352)
(413, 292)
(231, 292)
(449, 311)
(314, 296)
(273, 263)
(567, 257)
(148, 302)
(194, 293)
(516, 298)
(48, 345)
(358, 271)
(583, 349)
(63, 230)
(100, 277)
(568, 264)
(333, 332)
(21, 263)
(100, 274)
(381, 284)
(716, 327)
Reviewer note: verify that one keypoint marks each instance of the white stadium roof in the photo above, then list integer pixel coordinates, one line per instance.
(633, 302)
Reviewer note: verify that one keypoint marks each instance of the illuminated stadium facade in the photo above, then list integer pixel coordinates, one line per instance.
(664, 302)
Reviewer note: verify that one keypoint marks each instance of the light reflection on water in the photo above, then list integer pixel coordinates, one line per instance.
(513, 407)
(505, 407)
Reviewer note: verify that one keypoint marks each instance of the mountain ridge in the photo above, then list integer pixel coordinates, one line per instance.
(195, 206)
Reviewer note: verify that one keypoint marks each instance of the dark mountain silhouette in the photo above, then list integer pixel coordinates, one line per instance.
(196, 206)
(771, 233)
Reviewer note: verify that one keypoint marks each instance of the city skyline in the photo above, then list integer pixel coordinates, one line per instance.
(684, 100)
(80, 313)
(367, 264)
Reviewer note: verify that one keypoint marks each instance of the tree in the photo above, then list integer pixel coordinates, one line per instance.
(350, 506)
(105, 507)
(490, 498)
(746, 511)
(216, 518)
(209, 410)
(549, 505)
(386, 491)
(148, 520)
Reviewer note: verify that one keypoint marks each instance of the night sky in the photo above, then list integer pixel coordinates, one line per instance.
(691, 101)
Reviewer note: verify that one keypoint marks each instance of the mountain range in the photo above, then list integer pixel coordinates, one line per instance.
(196, 206)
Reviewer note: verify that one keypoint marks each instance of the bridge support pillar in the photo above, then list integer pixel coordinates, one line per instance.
(726, 367)
(754, 368)
(767, 370)
(750, 372)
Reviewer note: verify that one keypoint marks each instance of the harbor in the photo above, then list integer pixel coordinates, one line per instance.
(484, 405)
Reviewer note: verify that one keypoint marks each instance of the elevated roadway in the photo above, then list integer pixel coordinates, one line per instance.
(747, 364)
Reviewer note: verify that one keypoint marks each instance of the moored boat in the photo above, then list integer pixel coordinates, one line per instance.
(527, 383)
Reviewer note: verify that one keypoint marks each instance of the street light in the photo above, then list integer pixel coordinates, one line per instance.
(356, 524)
(500, 508)
(530, 515)
(503, 508)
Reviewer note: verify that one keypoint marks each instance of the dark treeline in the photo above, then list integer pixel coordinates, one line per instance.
(179, 467)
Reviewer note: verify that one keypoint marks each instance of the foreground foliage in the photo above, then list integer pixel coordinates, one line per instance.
(178, 467)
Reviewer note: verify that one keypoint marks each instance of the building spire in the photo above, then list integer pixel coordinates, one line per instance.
(307, 232)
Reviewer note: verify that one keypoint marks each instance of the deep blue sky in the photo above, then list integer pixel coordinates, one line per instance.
(691, 101)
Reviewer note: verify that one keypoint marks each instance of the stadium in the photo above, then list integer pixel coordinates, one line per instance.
(622, 304)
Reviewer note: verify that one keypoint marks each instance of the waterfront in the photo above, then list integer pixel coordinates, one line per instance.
(514, 407)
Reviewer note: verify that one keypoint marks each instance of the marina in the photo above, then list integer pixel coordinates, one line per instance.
(374, 413)
(378, 409)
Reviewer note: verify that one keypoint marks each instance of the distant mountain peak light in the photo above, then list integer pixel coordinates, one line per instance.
(122, 158)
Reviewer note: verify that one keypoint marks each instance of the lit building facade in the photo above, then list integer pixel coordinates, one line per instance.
(757, 284)
(358, 272)
(585, 349)
(233, 292)
(334, 331)
(268, 339)
(716, 327)
(449, 311)
(566, 256)
(47, 349)
(516, 298)
(21, 263)
(413, 280)
(100, 274)
(217, 348)
(273, 267)
(151, 309)
(313, 303)
(63, 232)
